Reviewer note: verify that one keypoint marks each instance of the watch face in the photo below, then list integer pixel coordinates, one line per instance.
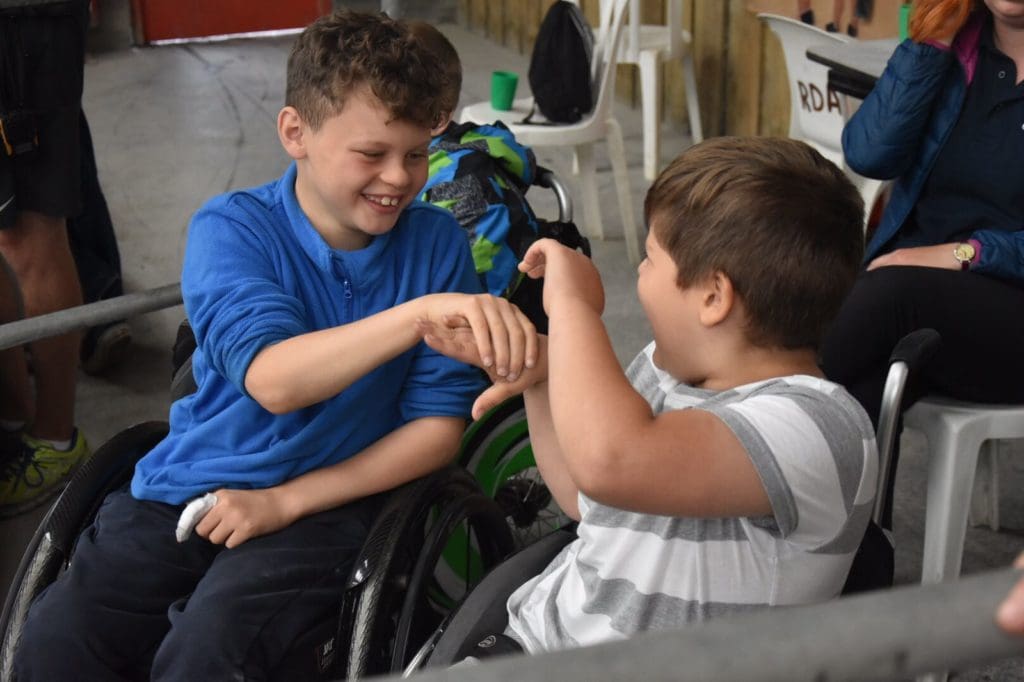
(964, 253)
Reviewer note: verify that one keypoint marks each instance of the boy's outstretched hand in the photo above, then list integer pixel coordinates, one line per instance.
(460, 344)
(567, 274)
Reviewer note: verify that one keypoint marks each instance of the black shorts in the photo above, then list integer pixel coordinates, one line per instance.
(41, 64)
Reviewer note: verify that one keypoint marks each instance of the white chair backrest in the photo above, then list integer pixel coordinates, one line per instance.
(606, 51)
(669, 35)
(674, 21)
(816, 112)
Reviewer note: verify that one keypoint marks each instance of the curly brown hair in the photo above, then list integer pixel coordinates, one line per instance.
(339, 53)
(781, 221)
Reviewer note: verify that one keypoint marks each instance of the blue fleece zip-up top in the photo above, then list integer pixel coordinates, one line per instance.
(256, 272)
(902, 126)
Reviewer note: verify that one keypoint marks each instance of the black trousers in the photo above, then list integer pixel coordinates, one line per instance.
(136, 605)
(91, 233)
(980, 319)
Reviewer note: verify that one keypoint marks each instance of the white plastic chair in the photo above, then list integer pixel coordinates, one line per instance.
(647, 46)
(817, 113)
(957, 432)
(599, 125)
(963, 441)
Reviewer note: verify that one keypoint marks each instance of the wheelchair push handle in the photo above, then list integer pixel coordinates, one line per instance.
(916, 349)
(546, 178)
(911, 354)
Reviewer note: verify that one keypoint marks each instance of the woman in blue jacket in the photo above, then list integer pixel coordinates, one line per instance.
(946, 122)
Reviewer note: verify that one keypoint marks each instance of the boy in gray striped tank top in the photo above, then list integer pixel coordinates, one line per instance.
(721, 472)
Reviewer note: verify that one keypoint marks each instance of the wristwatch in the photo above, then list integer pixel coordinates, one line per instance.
(964, 254)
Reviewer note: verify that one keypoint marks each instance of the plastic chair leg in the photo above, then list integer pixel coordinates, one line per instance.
(617, 153)
(592, 224)
(692, 100)
(985, 496)
(953, 450)
(650, 95)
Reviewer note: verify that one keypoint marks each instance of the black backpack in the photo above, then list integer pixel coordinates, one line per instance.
(560, 65)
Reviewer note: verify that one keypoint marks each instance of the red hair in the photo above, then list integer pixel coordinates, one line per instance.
(938, 19)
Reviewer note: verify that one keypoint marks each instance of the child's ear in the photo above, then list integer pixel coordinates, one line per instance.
(717, 299)
(439, 128)
(291, 131)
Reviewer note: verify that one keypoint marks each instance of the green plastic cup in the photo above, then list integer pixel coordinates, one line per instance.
(503, 89)
(904, 20)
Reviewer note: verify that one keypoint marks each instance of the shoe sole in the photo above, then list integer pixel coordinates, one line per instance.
(111, 347)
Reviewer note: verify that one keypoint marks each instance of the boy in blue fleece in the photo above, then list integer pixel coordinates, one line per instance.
(314, 393)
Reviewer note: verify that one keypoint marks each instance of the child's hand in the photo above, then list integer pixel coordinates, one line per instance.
(241, 515)
(1010, 613)
(506, 340)
(566, 273)
(459, 343)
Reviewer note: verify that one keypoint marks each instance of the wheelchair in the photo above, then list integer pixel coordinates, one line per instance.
(483, 611)
(431, 542)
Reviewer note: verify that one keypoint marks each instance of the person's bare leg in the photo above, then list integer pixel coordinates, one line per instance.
(837, 12)
(38, 251)
(15, 388)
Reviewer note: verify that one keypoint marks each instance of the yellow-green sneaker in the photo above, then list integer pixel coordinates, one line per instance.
(37, 473)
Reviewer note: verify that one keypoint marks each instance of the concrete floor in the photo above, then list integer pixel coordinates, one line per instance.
(174, 125)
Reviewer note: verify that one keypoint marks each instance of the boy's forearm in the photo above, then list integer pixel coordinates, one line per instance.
(594, 408)
(307, 369)
(409, 452)
(546, 451)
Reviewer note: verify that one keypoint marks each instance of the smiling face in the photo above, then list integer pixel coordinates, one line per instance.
(358, 170)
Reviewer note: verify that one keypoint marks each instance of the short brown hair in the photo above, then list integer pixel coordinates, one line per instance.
(447, 55)
(346, 50)
(780, 220)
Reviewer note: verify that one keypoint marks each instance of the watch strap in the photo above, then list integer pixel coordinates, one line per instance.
(977, 251)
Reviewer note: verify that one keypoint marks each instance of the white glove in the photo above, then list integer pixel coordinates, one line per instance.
(192, 514)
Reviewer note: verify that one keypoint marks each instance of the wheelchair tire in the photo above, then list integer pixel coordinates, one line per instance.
(498, 452)
(49, 551)
(386, 614)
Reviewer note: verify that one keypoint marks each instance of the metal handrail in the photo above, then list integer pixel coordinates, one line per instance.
(89, 315)
(884, 635)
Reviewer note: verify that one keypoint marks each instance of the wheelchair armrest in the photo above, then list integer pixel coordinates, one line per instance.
(483, 611)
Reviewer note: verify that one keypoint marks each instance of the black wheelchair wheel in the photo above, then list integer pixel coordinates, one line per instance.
(388, 611)
(51, 547)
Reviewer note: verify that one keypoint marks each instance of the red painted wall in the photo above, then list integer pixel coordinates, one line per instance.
(166, 19)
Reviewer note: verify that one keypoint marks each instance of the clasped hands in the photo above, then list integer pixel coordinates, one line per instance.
(495, 331)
